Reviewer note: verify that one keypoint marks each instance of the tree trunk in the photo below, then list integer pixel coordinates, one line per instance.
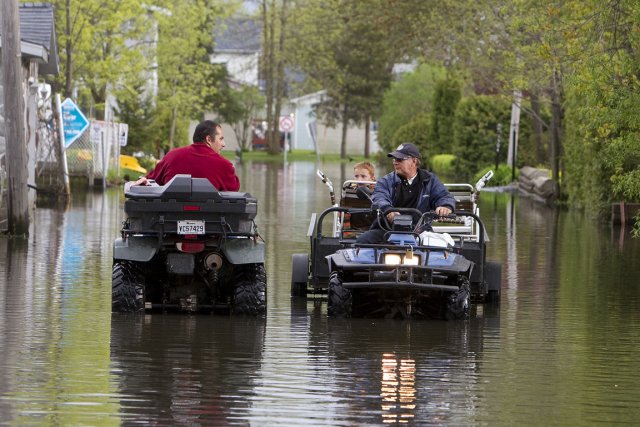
(556, 129)
(16, 146)
(345, 125)
(68, 84)
(367, 137)
(537, 129)
(279, 75)
(172, 128)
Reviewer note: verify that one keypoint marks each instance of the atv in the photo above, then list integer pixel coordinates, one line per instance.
(409, 274)
(312, 274)
(187, 247)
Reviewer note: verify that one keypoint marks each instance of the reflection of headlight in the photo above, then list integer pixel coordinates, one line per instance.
(406, 259)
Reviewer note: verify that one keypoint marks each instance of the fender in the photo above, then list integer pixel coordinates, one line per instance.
(244, 251)
(143, 249)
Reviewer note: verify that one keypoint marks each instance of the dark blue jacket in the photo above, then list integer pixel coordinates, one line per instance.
(432, 195)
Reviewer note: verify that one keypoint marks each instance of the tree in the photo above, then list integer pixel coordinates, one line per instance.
(186, 76)
(347, 53)
(242, 106)
(274, 14)
(96, 41)
(411, 96)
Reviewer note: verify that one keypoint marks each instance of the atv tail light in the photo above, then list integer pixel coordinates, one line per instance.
(190, 247)
(190, 208)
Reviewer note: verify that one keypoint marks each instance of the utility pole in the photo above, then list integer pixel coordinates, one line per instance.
(16, 155)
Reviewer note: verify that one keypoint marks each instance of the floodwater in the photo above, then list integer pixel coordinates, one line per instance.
(560, 348)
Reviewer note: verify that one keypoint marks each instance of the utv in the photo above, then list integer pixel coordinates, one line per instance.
(311, 274)
(187, 247)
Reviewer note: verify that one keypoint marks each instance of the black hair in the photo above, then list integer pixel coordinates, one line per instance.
(204, 129)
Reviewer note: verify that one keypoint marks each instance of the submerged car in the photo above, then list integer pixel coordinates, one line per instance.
(437, 274)
(188, 247)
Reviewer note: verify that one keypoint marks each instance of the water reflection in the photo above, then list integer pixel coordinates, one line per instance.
(171, 369)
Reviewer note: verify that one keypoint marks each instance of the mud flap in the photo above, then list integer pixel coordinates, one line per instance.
(135, 248)
(244, 251)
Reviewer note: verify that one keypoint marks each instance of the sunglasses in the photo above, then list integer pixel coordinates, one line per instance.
(400, 160)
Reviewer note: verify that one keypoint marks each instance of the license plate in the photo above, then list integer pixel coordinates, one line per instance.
(191, 227)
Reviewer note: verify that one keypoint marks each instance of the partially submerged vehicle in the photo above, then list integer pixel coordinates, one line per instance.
(186, 246)
(409, 275)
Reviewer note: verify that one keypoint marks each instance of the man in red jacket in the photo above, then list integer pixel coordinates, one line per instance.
(201, 159)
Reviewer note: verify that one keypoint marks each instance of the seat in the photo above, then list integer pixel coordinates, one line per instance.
(354, 224)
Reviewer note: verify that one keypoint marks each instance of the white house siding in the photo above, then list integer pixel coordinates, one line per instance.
(242, 67)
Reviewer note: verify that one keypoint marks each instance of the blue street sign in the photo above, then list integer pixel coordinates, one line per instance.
(73, 122)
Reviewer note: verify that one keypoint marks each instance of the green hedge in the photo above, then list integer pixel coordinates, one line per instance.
(475, 133)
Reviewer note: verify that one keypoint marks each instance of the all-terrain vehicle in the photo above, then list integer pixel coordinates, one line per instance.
(186, 246)
(335, 253)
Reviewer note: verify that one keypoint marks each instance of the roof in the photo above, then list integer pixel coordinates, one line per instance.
(37, 26)
(238, 35)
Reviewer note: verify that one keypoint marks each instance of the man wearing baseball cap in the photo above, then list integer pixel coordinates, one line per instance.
(407, 186)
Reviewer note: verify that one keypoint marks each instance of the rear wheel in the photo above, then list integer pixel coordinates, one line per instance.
(127, 288)
(493, 278)
(250, 294)
(299, 275)
(458, 301)
(340, 298)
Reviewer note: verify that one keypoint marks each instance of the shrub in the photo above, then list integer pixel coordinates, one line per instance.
(501, 176)
(442, 164)
(415, 132)
(475, 133)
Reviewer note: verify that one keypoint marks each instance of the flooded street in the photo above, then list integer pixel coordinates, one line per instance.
(560, 348)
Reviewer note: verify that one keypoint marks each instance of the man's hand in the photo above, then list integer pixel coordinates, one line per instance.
(443, 210)
(391, 216)
(142, 181)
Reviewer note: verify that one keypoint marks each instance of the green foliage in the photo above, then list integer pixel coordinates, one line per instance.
(501, 176)
(416, 132)
(96, 55)
(475, 133)
(442, 164)
(602, 137)
(445, 100)
(410, 96)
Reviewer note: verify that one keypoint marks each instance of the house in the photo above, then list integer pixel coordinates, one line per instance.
(39, 57)
(238, 47)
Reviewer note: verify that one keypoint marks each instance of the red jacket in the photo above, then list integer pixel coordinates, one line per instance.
(199, 161)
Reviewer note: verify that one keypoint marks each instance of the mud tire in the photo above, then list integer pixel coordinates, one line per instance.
(127, 288)
(250, 294)
(493, 278)
(299, 275)
(458, 301)
(340, 299)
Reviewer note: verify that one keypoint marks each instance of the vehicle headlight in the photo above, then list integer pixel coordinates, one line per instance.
(392, 259)
(409, 258)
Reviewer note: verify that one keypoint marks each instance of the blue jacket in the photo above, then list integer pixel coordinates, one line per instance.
(433, 193)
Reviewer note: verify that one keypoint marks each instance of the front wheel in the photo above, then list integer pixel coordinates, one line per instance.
(250, 295)
(127, 288)
(458, 301)
(340, 298)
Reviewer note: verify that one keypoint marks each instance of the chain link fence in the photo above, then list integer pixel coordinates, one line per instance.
(95, 151)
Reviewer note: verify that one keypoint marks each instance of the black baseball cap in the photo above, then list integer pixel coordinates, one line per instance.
(404, 151)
